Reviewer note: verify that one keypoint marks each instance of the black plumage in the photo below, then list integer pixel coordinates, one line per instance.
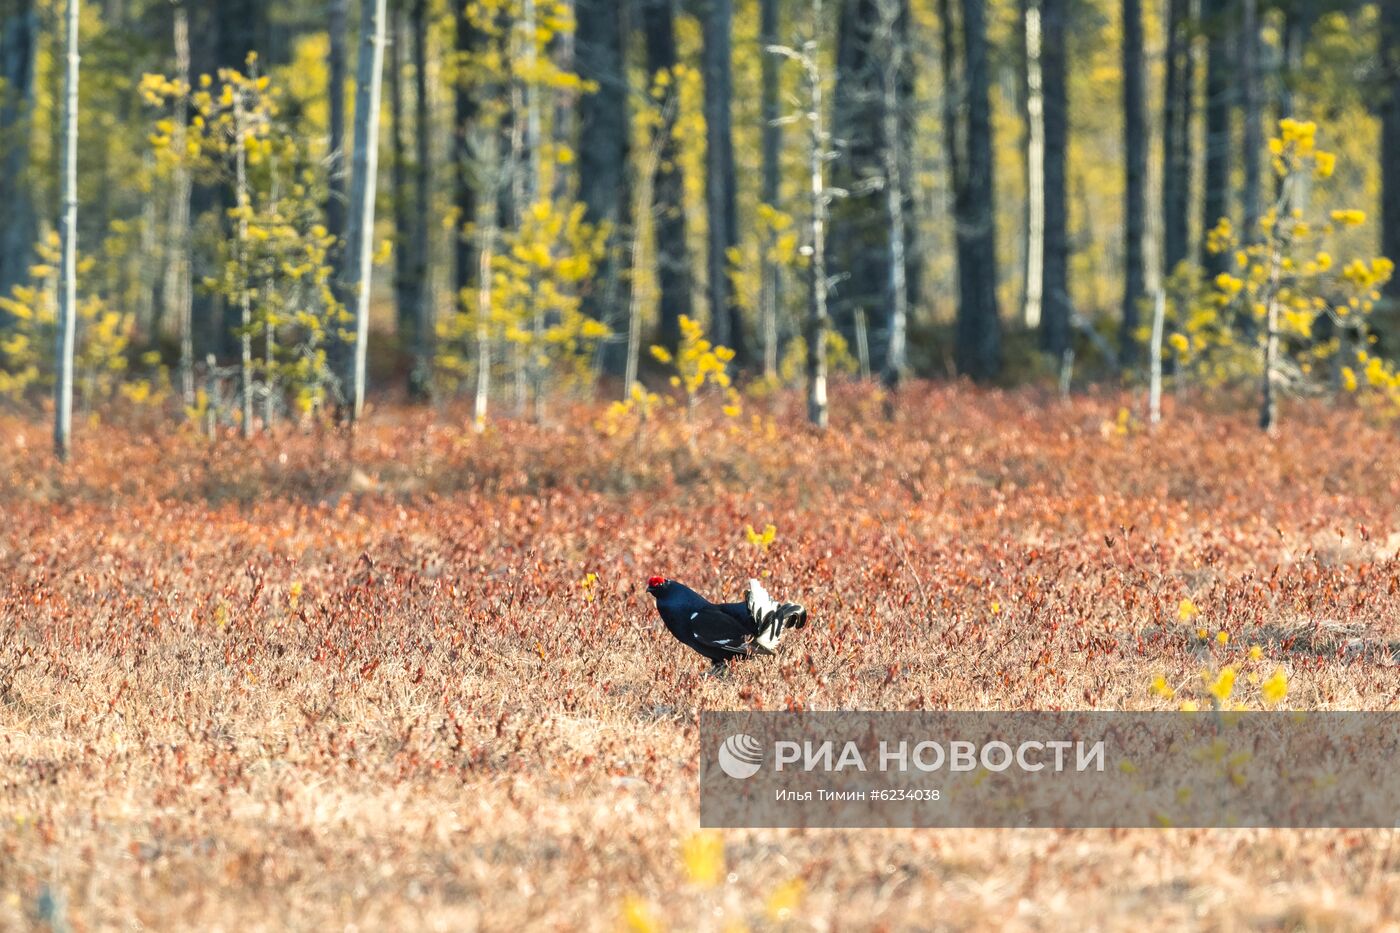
(724, 631)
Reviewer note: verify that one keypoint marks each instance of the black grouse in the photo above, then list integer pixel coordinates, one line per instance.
(724, 631)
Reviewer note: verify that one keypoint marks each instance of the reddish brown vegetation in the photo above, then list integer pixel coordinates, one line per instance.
(447, 726)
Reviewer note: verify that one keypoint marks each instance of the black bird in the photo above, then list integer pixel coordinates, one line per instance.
(724, 631)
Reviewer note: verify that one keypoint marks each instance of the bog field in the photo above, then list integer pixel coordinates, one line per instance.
(416, 682)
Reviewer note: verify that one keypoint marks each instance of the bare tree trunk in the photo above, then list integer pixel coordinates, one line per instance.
(420, 377)
(18, 41)
(405, 264)
(1268, 404)
(338, 29)
(1154, 390)
(1035, 169)
(646, 174)
(565, 123)
(1176, 137)
(483, 319)
(530, 189)
(1055, 333)
(1216, 194)
(68, 233)
(969, 143)
(1135, 189)
(673, 273)
(245, 308)
(817, 145)
(603, 178)
(1390, 138)
(771, 282)
(360, 232)
(1253, 139)
(177, 292)
(465, 162)
(726, 322)
(896, 356)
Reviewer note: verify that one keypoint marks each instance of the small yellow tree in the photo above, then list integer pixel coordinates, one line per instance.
(276, 270)
(1286, 304)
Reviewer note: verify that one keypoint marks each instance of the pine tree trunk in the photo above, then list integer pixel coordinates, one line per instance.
(18, 48)
(603, 180)
(1055, 333)
(337, 28)
(364, 172)
(405, 285)
(673, 271)
(858, 236)
(894, 51)
(420, 377)
(817, 317)
(68, 234)
(566, 102)
(771, 140)
(969, 141)
(1253, 138)
(726, 323)
(468, 41)
(1135, 190)
(1390, 138)
(1176, 136)
(1219, 68)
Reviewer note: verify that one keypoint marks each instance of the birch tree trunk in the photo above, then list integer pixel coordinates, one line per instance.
(177, 290)
(483, 318)
(771, 283)
(68, 233)
(1035, 170)
(646, 175)
(245, 310)
(360, 232)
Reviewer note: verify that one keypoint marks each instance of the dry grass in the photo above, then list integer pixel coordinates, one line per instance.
(446, 729)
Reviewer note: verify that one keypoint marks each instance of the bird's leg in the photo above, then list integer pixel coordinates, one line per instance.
(718, 670)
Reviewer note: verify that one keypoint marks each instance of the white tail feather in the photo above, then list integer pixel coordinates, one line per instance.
(770, 616)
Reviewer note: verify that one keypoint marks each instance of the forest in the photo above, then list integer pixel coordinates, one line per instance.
(250, 213)
(370, 368)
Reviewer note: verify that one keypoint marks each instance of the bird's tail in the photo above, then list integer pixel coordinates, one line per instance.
(771, 616)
